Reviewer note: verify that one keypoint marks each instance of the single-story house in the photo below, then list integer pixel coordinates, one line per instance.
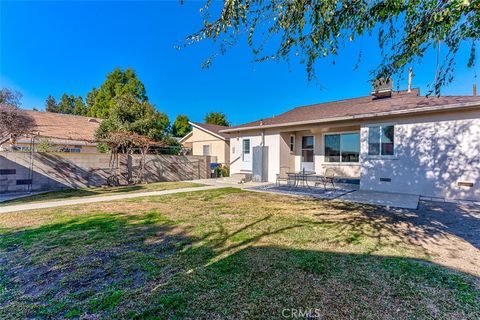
(398, 142)
(208, 140)
(59, 132)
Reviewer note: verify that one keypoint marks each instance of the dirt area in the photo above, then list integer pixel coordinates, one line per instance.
(448, 230)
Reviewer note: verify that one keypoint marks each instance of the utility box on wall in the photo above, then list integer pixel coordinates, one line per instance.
(260, 164)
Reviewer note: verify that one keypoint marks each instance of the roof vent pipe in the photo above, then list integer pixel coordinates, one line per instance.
(409, 80)
(474, 89)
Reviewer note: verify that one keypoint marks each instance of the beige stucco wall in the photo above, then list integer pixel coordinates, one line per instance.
(433, 154)
(237, 165)
(279, 154)
(220, 149)
(349, 170)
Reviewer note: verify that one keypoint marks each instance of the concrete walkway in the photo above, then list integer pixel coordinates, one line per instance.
(360, 196)
(386, 199)
(85, 200)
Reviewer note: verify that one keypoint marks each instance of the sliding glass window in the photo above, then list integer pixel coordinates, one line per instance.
(342, 147)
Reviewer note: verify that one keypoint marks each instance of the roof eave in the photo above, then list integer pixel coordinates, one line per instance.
(185, 137)
(448, 107)
(193, 124)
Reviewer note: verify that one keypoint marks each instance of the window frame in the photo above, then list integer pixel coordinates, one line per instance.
(341, 162)
(292, 144)
(209, 149)
(307, 149)
(243, 147)
(395, 141)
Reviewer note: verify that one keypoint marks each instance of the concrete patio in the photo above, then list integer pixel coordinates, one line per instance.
(344, 192)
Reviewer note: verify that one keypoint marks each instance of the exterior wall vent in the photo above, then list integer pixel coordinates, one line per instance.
(386, 179)
(465, 184)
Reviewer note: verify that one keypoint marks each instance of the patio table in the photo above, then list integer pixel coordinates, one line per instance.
(300, 177)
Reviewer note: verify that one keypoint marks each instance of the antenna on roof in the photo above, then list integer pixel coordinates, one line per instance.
(410, 74)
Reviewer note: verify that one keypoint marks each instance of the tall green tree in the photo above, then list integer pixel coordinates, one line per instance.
(218, 118)
(118, 83)
(311, 30)
(127, 114)
(51, 104)
(66, 104)
(79, 109)
(90, 100)
(181, 127)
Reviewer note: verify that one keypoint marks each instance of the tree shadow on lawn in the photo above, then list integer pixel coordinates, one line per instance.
(148, 266)
(433, 224)
(75, 193)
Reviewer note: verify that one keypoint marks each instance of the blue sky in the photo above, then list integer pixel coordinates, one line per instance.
(65, 46)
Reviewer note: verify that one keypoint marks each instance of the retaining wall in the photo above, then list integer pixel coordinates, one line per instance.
(20, 171)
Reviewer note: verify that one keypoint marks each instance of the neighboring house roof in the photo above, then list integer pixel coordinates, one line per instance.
(64, 126)
(213, 129)
(188, 135)
(364, 107)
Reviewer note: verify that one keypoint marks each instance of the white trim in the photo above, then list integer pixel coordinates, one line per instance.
(437, 108)
(313, 150)
(395, 141)
(185, 137)
(249, 148)
(290, 143)
(209, 149)
(208, 131)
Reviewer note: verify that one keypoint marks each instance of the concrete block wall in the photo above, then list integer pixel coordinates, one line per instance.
(21, 171)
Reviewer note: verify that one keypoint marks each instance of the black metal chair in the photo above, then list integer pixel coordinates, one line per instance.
(328, 177)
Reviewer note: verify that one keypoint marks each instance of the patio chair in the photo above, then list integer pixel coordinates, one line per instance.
(330, 176)
(327, 178)
(283, 176)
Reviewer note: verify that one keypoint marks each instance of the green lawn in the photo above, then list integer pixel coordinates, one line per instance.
(222, 254)
(104, 190)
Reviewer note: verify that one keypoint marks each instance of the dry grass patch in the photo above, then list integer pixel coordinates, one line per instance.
(223, 254)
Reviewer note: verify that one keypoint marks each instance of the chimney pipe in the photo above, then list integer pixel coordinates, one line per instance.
(474, 89)
(409, 79)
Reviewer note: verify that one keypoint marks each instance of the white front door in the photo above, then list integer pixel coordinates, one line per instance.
(308, 144)
(246, 154)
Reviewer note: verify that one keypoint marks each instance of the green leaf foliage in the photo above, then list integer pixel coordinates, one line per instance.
(79, 108)
(128, 114)
(217, 118)
(181, 127)
(118, 83)
(51, 104)
(311, 30)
